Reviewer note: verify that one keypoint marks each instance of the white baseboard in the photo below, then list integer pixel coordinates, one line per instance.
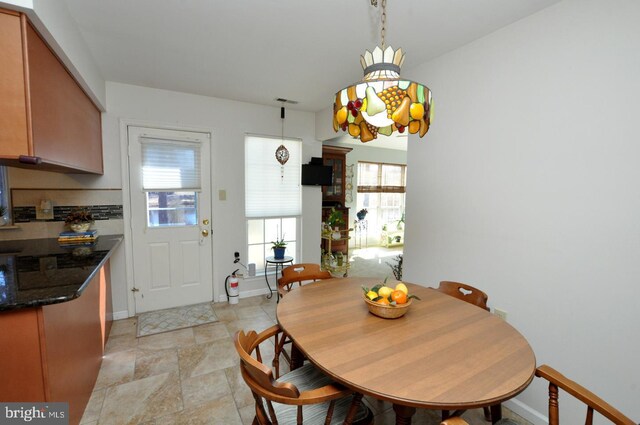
(246, 294)
(532, 415)
(118, 315)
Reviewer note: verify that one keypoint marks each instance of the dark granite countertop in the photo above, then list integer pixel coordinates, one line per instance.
(37, 272)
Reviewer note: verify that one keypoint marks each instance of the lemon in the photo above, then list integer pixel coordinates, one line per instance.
(372, 294)
(402, 287)
(385, 291)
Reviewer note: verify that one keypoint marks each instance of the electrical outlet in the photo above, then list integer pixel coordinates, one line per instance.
(500, 313)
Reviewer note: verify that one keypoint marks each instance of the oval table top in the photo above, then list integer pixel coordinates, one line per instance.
(442, 354)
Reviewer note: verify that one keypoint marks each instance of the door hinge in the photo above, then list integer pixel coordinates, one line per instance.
(134, 289)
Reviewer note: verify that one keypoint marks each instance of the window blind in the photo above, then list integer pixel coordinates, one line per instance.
(381, 178)
(170, 165)
(267, 194)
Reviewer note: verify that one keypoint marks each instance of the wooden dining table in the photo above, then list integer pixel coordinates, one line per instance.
(443, 354)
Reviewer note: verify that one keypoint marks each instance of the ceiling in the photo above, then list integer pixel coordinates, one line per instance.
(257, 51)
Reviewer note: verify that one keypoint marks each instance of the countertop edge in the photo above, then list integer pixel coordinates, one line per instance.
(62, 299)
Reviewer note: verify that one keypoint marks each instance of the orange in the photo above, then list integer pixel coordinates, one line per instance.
(383, 301)
(399, 297)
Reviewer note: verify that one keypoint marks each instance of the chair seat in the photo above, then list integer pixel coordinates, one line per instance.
(307, 378)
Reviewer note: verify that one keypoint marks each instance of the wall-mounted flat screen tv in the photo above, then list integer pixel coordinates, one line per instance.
(316, 175)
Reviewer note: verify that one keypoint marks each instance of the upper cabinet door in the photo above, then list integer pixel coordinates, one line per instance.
(13, 108)
(66, 124)
(45, 116)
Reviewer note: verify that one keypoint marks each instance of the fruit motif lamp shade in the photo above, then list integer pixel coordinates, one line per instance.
(382, 102)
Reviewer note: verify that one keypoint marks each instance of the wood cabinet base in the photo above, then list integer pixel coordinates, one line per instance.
(54, 352)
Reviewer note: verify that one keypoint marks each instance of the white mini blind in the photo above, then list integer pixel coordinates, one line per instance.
(267, 194)
(170, 165)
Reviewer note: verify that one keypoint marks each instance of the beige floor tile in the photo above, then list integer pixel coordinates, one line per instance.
(204, 388)
(257, 324)
(225, 315)
(94, 407)
(221, 411)
(142, 400)
(173, 339)
(250, 311)
(117, 368)
(210, 332)
(121, 342)
(124, 327)
(241, 393)
(247, 413)
(151, 362)
(205, 358)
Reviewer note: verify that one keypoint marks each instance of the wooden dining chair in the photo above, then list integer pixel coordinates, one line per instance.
(298, 273)
(474, 296)
(304, 395)
(559, 381)
(464, 292)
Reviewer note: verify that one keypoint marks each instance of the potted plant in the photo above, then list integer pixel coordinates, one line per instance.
(79, 220)
(279, 246)
(362, 214)
(335, 218)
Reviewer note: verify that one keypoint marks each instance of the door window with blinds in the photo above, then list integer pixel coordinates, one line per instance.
(171, 180)
(273, 198)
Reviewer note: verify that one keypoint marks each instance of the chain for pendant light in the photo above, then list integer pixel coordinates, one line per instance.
(383, 19)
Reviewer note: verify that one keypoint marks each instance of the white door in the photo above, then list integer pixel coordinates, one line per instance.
(170, 217)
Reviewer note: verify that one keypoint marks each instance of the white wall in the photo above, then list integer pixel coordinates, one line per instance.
(527, 187)
(228, 121)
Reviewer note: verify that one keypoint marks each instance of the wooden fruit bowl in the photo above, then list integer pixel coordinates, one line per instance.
(387, 311)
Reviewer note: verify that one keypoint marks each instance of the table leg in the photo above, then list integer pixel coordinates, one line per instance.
(496, 413)
(266, 266)
(297, 358)
(403, 414)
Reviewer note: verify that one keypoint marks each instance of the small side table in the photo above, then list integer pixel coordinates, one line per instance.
(279, 265)
(360, 227)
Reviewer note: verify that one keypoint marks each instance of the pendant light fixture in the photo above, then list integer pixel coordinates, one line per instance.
(383, 102)
(282, 153)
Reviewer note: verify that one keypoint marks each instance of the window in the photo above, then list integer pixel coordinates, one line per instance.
(273, 202)
(5, 210)
(381, 190)
(262, 231)
(171, 179)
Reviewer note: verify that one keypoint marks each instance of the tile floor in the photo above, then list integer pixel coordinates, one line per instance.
(191, 376)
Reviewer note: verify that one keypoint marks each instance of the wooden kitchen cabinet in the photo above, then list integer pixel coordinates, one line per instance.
(47, 122)
(336, 158)
(54, 352)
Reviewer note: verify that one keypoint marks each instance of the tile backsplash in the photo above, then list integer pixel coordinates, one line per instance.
(99, 212)
(104, 204)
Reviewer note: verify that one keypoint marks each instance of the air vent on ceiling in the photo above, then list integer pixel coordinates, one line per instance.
(293, 102)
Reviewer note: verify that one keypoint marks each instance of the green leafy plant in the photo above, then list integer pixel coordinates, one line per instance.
(396, 267)
(79, 216)
(278, 243)
(335, 218)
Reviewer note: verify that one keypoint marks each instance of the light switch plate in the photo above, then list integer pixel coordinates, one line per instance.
(222, 195)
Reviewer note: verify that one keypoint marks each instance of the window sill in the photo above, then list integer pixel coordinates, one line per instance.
(9, 227)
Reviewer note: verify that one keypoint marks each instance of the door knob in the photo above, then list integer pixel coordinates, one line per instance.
(205, 221)
(205, 233)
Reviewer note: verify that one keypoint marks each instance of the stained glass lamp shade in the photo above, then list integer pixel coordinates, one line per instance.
(382, 102)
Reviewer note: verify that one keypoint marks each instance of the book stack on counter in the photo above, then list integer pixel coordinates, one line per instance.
(75, 238)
